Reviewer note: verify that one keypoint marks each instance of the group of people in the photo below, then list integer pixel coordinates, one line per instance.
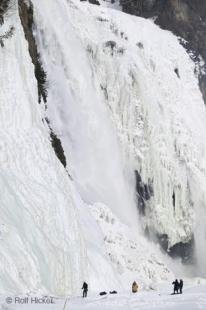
(178, 286)
(135, 288)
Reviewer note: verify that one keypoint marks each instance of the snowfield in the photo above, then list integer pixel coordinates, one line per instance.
(122, 97)
(193, 298)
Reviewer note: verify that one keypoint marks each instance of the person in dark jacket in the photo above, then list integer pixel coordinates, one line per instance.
(181, 285)
(176, 286)
(85, 289)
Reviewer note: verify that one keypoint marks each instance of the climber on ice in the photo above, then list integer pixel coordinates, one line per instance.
(85, 289)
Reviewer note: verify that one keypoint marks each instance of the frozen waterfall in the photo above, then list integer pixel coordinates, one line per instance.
(124, 101)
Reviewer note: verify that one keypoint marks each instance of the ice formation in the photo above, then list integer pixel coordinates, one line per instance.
(122, 97)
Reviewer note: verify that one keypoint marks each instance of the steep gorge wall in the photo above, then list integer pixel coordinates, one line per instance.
(26, 14)
(185, 18)
(38, 222)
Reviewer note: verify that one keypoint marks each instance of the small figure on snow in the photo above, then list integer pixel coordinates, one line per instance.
(85, 289)
(176, 286)
(181, 285)
(134, 287)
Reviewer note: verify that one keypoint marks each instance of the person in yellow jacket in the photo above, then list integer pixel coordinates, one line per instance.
(135, 287)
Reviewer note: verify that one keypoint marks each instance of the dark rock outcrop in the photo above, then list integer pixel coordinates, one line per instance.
(57, 146)
(92, 1)
(185, 250)
(27, 20)
(4, 6)
(26, 14)
(185, 18)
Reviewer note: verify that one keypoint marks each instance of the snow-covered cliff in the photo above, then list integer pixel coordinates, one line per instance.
(40, 243)
(127, 109)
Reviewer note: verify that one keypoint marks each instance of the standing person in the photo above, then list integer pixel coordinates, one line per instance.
(181, 285)
(176, 286)
(134, 287)
(85, 289)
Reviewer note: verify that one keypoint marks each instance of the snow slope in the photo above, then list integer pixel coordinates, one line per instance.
(193, 298)
(117, 105)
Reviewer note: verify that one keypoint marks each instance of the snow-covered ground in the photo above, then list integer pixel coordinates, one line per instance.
(193, 298)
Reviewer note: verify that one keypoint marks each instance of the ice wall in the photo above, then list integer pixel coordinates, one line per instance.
(49, 239)
(77, 111)
(41, 247)
(123, 72)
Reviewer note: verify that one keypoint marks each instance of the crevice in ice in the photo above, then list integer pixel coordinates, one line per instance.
(144, 192)
(105, 91)
(177, 72)
(173, 200)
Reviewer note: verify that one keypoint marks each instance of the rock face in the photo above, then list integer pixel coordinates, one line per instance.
(26, 14)
(4, 5)
(185, 18)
